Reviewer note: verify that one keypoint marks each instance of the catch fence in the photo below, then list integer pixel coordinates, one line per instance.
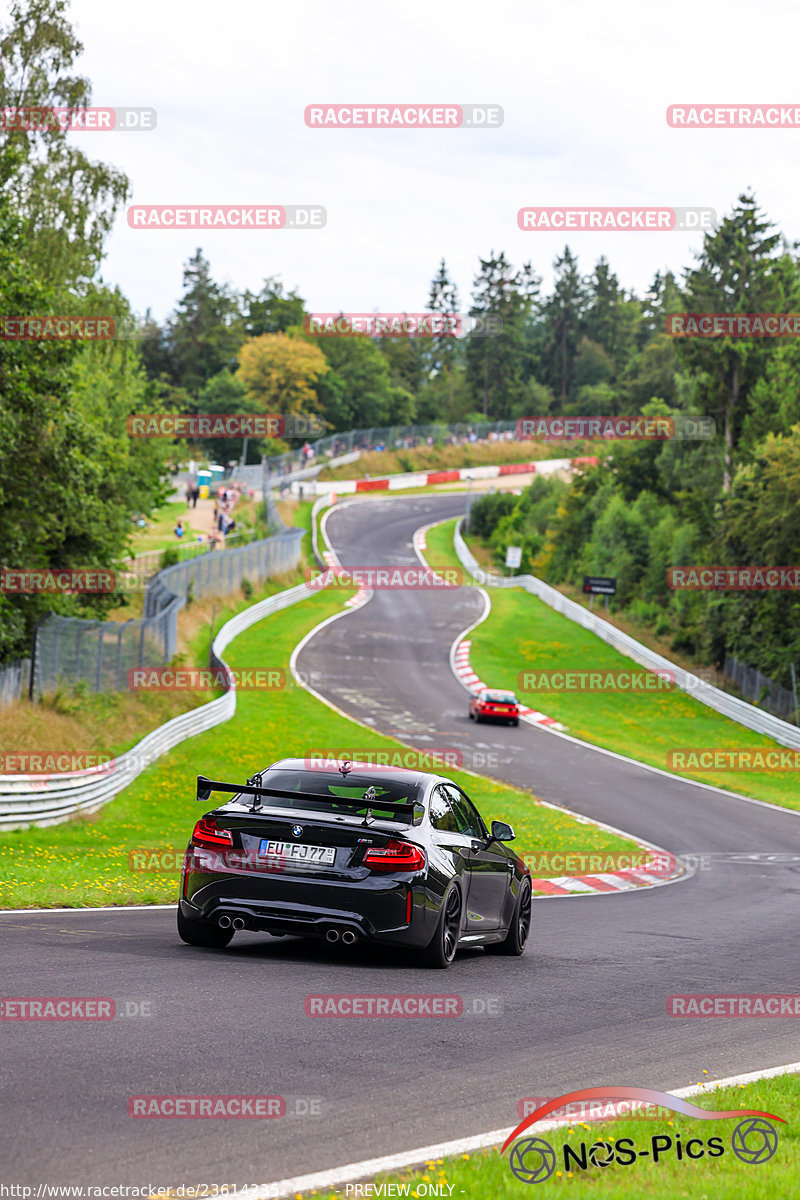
(99, 654)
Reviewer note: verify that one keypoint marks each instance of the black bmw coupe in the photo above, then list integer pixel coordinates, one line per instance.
(349, 852)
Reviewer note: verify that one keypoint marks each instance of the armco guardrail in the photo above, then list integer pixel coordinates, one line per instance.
(50, 799)
(729, 706)
(417, 479)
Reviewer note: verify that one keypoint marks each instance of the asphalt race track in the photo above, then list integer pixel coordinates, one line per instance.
(585, 1006)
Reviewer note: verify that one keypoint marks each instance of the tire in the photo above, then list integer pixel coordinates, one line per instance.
(202, 933)
(517, 937)
(478, 719)
(441, 950)
(471, 715)
(515, 721)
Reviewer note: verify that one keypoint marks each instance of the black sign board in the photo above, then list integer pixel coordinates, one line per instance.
(599, 585)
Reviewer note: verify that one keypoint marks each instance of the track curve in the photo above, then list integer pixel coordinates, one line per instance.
(585, 1005)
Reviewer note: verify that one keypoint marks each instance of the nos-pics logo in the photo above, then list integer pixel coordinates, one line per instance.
(754, 1139)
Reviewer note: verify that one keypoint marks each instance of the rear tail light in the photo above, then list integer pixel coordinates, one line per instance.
(395, 856)
(207, 833)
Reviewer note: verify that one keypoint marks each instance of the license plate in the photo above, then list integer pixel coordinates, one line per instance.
(298, 851)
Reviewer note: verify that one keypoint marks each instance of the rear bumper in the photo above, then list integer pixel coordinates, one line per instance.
(378, 914)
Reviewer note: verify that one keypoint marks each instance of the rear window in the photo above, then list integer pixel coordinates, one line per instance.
(500, 697)
(332, 788)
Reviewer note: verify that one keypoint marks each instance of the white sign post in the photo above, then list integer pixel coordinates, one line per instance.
(513, 558)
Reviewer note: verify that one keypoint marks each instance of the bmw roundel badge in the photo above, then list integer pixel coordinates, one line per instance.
(297, 830)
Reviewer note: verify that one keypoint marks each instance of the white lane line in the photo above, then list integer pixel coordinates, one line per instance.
(411, 1158)
(28, 912)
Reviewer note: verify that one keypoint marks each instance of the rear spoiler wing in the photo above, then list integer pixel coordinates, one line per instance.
(205, 787)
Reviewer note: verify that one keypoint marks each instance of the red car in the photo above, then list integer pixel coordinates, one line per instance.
(494, 706)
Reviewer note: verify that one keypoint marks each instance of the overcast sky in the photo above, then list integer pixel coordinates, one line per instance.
(584, 87)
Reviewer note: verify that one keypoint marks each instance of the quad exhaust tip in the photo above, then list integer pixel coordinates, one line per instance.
(238, 923)
(347, 936)
(224, 922)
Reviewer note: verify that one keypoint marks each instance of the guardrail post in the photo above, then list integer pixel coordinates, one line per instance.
(118, 665)
(100, 641)
(34, 664)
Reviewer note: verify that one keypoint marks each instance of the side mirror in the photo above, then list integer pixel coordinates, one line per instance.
(501, 832)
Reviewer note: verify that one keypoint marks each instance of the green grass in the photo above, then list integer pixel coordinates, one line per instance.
(84, 862)
(486, 1175)
(302, 519)
(524, 634)
(158, 534)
